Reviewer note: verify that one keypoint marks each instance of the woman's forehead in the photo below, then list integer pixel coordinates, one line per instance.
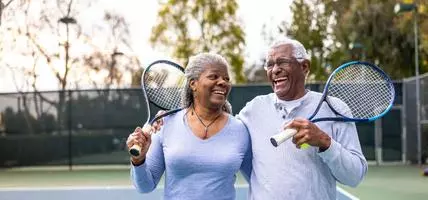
(215, 68)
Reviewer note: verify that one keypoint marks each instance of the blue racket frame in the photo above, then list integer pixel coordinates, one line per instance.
(344, 118)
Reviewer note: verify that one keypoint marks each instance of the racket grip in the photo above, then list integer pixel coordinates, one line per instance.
(281, 137)
(135, 150)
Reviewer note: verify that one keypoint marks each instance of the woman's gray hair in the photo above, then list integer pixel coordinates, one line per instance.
(299, 51)
(196, 66)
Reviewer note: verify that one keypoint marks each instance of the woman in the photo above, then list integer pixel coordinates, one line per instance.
(202, 147)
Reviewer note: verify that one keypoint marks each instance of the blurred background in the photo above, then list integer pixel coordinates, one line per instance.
(70, 75)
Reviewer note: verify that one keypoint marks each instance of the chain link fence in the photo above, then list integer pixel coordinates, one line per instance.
(84, 127)
(415, 133)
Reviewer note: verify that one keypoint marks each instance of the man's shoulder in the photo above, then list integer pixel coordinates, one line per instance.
(263, 98)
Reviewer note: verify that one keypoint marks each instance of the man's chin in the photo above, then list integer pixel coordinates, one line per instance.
(281, 93)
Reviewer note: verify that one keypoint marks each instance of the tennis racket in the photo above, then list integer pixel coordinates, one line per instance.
(362, 86)
(162, 83)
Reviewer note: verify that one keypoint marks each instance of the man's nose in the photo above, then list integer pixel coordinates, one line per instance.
(276, 69)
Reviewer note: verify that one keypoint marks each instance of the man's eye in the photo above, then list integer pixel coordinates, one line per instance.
(281, 62)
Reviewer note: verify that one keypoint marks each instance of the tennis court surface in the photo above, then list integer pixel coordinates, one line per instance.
(112, 182)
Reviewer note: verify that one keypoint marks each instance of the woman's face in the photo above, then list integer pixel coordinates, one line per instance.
(213, 86)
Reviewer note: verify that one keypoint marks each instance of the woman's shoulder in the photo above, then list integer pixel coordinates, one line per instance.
(175, 116)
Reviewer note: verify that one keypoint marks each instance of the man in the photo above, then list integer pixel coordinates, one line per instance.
(287, 171)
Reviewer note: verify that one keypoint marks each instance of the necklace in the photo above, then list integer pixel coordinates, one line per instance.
(200, 120)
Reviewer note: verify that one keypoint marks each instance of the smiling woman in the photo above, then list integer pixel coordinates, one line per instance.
(183, 148)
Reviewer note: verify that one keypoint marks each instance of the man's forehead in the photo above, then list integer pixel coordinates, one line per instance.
(285, 50)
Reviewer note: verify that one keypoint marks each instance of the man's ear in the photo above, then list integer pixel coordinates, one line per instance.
(306, 67)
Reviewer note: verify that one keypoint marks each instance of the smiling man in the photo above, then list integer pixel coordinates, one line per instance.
(286, 171)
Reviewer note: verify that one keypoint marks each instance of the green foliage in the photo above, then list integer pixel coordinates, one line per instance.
(329, 29)
(310, 28)
(218, 30)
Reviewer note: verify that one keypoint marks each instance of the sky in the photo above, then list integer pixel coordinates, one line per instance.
(142, 15)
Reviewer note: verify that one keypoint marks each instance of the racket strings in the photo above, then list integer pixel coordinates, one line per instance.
(164, 85)
(365, 91)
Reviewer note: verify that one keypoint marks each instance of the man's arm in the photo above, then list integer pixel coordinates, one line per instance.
(344, 156)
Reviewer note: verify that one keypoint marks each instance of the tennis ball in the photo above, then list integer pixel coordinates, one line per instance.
(304, 146)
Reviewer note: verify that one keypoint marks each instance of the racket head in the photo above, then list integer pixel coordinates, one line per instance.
(162, 83)
(362, 88)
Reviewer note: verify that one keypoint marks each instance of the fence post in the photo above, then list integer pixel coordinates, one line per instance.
(378, 141)
(70, 143)
(403, 124)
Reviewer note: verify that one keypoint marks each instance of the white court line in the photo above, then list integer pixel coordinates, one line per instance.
(85, 188)
(352, 197)
(160, 187)
(66, 188)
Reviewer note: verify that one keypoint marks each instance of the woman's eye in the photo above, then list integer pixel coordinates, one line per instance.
(212, 76)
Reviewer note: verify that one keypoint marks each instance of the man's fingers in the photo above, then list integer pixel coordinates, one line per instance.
(160, 112)
(302, 140)
(297, 137)
(300, 124)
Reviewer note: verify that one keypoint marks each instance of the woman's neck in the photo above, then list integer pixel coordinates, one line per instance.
(205, 113)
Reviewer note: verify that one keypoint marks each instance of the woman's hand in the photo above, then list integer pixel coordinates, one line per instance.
(142, 139)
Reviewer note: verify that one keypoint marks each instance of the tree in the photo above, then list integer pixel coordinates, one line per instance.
(310, 26)
(3, 5)
(191, 26)
(335, 32)
(47, 34)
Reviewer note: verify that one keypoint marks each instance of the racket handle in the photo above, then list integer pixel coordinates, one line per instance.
(281, 137)
(135, 150)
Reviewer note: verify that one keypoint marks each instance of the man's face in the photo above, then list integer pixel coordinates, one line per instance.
(285, 73)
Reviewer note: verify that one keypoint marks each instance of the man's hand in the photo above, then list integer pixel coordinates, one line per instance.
(309, 133)
(158, 123)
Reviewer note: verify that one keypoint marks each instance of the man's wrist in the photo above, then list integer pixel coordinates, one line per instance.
(325, 143)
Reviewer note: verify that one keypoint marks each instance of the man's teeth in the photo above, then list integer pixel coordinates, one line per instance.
(280, 79)
(219, 92)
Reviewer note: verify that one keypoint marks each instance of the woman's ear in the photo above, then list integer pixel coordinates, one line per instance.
(192, 85)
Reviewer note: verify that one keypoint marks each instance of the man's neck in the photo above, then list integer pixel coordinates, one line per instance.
(296, 96)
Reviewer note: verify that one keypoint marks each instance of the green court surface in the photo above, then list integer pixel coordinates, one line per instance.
(392, 183)
(381, 182)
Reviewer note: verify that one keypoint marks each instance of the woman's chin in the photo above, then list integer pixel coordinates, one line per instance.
(217, 103)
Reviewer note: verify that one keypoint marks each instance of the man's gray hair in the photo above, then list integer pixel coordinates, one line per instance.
(299, 51)
(196, 66)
